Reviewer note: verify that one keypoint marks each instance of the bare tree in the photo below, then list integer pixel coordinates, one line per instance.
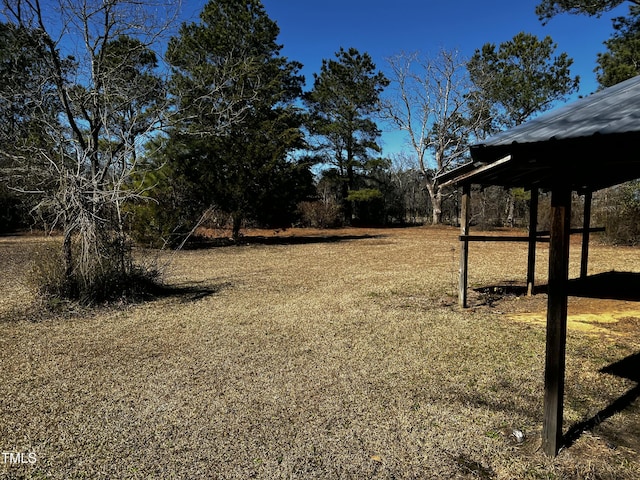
(428, 103)
(407, 181)
(100, 66)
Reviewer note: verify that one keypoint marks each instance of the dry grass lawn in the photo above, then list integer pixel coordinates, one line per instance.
(343, 356)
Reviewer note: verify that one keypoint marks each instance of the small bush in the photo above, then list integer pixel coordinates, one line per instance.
(113, 277)
(46, 275)
(618, 209)
(368, 206)
(159, 224)
(320, 214)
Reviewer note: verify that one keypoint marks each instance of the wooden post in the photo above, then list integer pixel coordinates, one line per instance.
(584, 260)
(465, 215)
(533, 227)
(556, 320)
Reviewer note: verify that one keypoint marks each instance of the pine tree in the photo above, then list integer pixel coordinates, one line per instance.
(550, 8)
(345, 95)
(621, 61)
(519, 78)
(237, 121)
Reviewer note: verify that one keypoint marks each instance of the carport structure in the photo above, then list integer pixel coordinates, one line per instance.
(590, 144)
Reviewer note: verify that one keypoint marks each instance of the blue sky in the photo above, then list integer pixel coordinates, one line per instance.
(311, 30)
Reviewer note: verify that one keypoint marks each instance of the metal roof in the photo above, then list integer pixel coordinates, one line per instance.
(612, 110)
(589, 144)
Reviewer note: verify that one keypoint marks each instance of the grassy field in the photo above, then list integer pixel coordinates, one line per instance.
(338, 354)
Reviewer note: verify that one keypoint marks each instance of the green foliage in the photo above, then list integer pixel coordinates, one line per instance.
(228, 66)
(245, 174)
(28, 107)
(368, 206)
(520, 194)
(550, 8)
(345, 94)
(365, 195)
(128, 68)
(621, 61)
(519, 78)
(25, 89)
(237, 124)
(167, 210)
(285, 185)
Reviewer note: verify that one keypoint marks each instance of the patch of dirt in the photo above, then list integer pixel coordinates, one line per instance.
(611, 318)
(608, 316)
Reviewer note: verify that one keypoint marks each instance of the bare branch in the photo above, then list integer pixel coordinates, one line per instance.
(430, 105)
(91, 135)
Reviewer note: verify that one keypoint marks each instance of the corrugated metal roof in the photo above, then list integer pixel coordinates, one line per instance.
(612, 110)
(589, 144)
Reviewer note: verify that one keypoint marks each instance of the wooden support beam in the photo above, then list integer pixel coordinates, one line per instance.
(465, 216)
(584, 259)
(469, 173)
(556, 320)
(533, 227)
(573, 230)
(501, 238)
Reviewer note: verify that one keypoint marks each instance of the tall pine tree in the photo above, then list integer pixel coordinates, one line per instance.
(345, 95)
(237, 123)
(517, 79)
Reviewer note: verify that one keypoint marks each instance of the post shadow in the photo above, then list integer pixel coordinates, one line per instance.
(607, 285)
(627, 368)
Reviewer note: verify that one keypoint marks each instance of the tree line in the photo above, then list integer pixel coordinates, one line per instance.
(105, 139)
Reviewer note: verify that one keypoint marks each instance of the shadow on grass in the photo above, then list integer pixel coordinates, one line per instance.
(188, 292)
(506, 289)
(628, 368)
(608, 285)
(47, 308)
(275, 240)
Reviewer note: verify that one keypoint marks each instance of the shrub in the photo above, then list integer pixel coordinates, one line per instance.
(320, 214)
(618, 209)
(113, 275)
(161, 223)
(368, 206)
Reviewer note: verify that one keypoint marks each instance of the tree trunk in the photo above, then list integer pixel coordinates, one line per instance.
(346, 188)
(511, 207)
(437, 208)
(67, 256)
(237, 223)
(435, 195)
(347, 208)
